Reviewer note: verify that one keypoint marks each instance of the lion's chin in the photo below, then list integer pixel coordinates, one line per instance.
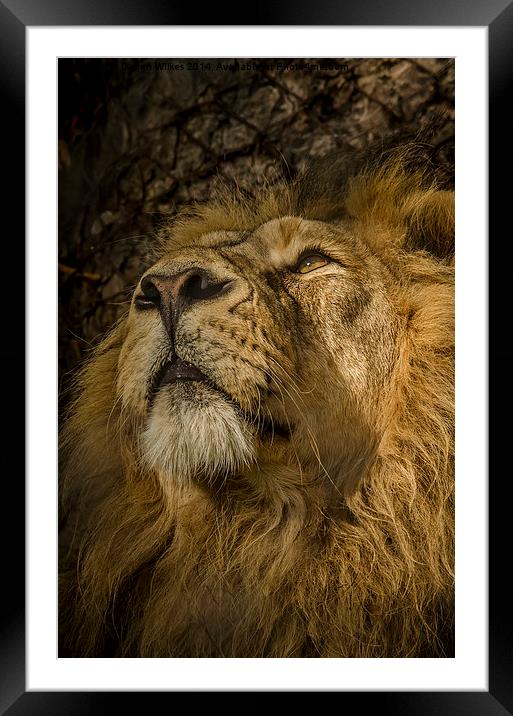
(193, 432)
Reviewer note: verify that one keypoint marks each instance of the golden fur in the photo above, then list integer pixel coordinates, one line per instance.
(302, 503)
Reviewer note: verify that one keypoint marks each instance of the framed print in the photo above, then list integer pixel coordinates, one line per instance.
(123, 132)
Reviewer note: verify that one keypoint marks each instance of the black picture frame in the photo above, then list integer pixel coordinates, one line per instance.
(15, 16)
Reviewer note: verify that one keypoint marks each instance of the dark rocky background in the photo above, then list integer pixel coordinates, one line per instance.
(137, 140)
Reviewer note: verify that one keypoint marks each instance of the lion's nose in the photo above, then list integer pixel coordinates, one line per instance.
(172, 294)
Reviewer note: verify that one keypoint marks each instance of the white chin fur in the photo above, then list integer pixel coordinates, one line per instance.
(192, 431)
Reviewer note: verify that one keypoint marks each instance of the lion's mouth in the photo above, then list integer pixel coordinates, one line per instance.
(177, 370)
(173, 371)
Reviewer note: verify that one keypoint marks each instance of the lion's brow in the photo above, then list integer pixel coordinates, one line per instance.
(236, 242)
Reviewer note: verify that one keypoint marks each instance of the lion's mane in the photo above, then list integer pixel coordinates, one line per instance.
(275, 572)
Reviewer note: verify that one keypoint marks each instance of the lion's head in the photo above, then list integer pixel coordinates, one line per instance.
(259, 459)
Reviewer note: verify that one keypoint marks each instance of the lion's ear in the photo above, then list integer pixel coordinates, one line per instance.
(429, 220)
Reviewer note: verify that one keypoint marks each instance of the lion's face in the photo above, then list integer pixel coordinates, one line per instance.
(250, 347)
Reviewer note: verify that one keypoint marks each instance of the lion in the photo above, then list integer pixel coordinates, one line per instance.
(258, 460)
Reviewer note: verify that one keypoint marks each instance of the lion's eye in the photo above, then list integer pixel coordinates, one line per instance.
(310, 263)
